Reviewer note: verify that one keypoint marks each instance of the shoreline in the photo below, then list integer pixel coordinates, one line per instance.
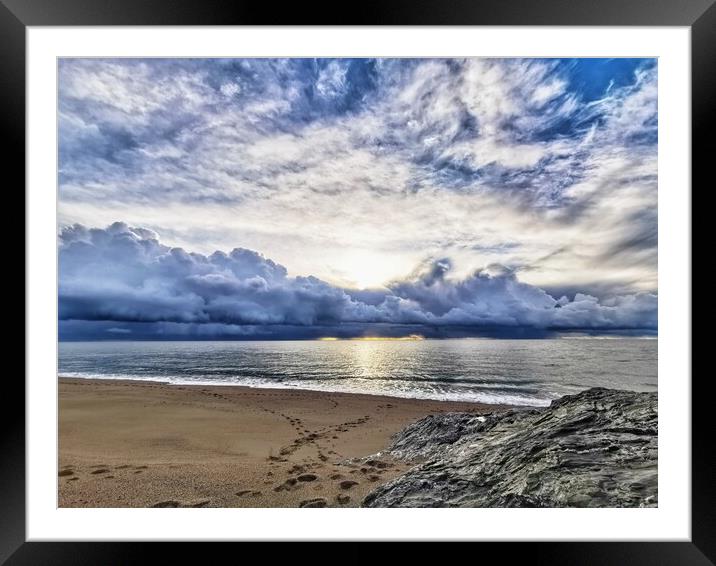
(137, 443)
(523, 405)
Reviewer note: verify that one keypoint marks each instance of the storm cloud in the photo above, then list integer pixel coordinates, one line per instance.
(123, 274)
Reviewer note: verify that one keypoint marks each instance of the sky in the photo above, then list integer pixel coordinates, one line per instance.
(300, 198)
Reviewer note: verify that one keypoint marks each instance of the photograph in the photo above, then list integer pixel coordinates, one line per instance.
(357, 282)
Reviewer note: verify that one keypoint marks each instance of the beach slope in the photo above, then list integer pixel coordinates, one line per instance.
(146, 444)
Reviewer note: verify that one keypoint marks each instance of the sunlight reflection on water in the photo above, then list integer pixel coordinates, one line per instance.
(530, 372)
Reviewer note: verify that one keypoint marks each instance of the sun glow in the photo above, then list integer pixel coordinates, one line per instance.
(370, 269)
(409, 338)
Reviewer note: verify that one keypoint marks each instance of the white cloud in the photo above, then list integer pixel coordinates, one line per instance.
(230, 89)
(357, 198)
(331, 80)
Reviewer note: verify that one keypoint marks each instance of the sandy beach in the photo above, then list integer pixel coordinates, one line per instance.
(147, 444)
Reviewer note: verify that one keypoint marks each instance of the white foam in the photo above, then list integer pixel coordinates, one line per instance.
(328, 387)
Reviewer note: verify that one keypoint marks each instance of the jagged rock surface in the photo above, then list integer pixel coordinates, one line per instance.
(597, 448)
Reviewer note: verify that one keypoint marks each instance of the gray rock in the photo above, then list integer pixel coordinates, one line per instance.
(594, 449)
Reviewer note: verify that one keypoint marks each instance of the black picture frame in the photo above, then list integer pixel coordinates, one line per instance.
(17, 15)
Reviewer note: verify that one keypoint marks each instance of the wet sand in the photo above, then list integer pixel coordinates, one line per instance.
(146, 444)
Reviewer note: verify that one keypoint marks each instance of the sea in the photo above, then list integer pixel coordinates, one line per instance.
(498, 371)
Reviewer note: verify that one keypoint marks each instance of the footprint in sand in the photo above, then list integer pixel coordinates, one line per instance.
(378, 464)
(64, 473)
(342, 498)
(173, 503)
(347, 484)
(307, 477)
(316, 502)
(167, 504)
(289, 484)
(100, 471)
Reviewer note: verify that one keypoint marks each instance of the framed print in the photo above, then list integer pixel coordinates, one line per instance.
(425, 275)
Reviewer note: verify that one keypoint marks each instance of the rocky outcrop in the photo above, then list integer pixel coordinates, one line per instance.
(594, 449)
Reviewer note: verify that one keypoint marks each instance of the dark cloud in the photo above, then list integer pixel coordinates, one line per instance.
(123, 274)
(82, 330)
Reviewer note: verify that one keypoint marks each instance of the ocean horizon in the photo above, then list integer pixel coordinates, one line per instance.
(496, 371)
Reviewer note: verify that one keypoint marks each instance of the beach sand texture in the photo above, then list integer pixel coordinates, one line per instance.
(146, 444)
